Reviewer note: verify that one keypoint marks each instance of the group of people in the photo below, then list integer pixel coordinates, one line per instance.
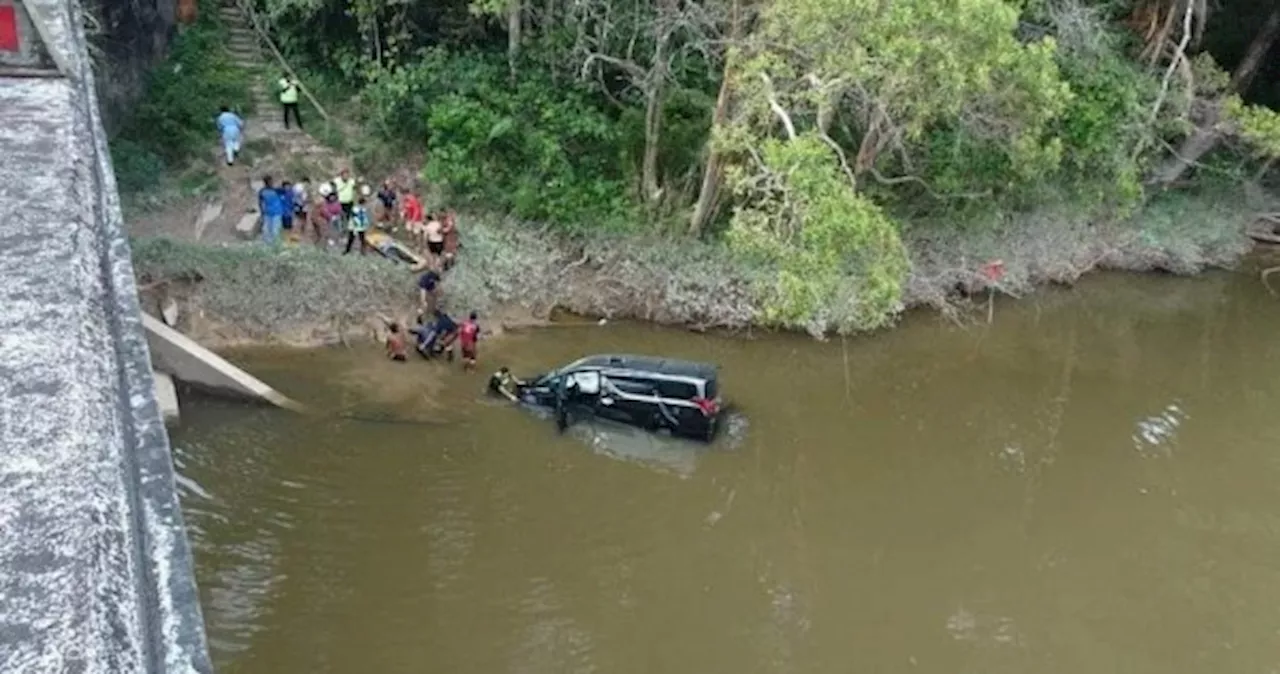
(342, 207)
(435, 334)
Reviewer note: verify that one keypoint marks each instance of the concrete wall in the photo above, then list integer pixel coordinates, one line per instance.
(95, 569)
(176, 354)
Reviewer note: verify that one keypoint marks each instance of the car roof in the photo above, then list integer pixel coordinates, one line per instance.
(671, 366)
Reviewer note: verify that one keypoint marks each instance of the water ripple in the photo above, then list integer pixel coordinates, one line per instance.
(1156, 434)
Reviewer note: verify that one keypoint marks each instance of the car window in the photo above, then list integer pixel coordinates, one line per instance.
(678, 390)
(632, 385)
(549, 381)
(588, 382)
(712, 390)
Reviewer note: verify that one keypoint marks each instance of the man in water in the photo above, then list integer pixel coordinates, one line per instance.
(505, 384)
(396, 349)
(468, 334)
(436, 337)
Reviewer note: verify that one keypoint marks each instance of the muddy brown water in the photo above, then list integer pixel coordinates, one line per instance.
(1089, 484)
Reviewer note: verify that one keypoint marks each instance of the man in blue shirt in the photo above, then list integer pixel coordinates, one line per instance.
(272, 208)
(286, 198)
(230, 127)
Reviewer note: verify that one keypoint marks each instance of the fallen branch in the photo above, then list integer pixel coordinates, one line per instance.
(1267, 272)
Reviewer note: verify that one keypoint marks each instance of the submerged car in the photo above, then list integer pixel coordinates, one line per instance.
(652, 393)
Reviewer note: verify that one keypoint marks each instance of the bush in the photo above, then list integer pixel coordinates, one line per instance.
(538, 149)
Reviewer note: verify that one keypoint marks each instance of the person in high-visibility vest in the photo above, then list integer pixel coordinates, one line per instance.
(289, 99)
(345, 186)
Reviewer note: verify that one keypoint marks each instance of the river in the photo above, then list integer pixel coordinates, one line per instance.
(1089, 483)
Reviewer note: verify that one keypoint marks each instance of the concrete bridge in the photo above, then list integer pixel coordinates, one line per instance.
(95, 569)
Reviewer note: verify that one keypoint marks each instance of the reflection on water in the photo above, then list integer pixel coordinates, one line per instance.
(1086, 485)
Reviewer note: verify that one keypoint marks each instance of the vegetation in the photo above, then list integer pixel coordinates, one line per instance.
(303, 294)
(822, 150)
(174, 121)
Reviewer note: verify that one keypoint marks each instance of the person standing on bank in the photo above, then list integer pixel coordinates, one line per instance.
(345, 186)
(357, 225)
(272, 208)
(289, 100)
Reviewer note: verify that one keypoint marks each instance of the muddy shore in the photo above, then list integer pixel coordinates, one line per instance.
(237, 294)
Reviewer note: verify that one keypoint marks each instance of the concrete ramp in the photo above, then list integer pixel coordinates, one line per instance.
(180, 356)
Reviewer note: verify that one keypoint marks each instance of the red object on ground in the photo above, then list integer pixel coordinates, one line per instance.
(9, 28)
(993, 270)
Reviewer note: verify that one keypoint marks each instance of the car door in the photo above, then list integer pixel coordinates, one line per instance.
(628, 398)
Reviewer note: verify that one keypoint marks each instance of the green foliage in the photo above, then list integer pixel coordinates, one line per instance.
(537, 149)
(174, 119)
(804, 218)
(1258, 125)
(1102, 126)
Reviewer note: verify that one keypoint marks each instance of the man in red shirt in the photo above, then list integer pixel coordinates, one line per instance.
(467, 336)
(411, 212)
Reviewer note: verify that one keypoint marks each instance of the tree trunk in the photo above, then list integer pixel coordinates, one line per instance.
(713, 171)
(1258, 49)
(515, 22)
(1206, 136)
(652, 142)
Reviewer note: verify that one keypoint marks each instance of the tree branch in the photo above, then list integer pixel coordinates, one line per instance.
(844, 161)
(1178, 56)
(777, 108)
(635, 71)
(899, 180)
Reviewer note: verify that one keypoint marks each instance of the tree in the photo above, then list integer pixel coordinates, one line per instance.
(642, 40)
(713, 164)
(1212, 127)
(825, 89)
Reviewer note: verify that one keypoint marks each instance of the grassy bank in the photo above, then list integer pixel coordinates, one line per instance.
(247, 293)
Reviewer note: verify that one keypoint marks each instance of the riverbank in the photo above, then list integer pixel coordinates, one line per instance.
(519, 276)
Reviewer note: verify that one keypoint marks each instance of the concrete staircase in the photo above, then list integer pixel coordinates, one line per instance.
(246, 50)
